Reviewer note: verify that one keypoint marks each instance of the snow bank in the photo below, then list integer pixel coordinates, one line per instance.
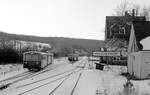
(93, 82)
(10, 70)
(61, 60)
(142, 87)
(116, 69)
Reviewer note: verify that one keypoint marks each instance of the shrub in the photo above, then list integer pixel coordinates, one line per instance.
(9, 55)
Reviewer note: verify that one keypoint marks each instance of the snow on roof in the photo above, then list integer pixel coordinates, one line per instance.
(145, 42)
(140, 30)
(38, 52)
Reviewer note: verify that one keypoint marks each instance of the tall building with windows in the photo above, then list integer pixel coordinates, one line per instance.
(119, 27)
(117, 30)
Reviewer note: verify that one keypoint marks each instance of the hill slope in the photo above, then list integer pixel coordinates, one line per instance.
(60, 43)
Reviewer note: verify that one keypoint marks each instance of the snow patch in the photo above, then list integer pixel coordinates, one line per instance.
(145, 43)
(10, 70)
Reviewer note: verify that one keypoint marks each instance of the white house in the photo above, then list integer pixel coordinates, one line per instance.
(139, 59)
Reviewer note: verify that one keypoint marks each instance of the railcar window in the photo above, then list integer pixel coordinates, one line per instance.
(44, 57)
(28, 57)
(35, 57)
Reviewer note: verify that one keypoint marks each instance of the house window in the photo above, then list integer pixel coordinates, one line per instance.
(121, 30)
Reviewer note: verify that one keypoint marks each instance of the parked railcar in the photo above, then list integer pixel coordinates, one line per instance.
(34, 60)
(73, 57)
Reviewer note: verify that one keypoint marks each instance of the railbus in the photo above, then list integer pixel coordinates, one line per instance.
(35, 60)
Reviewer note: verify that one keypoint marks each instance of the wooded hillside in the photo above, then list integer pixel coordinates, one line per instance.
(61, 45)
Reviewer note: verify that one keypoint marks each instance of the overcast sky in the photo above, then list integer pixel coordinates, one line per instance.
(61, 18)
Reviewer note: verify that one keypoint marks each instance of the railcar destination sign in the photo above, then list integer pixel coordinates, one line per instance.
(106, 53)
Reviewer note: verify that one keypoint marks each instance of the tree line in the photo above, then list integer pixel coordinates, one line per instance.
(8, 54)
(60, 47)
(140, 10)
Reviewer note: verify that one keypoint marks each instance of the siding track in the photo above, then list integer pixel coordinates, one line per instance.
(62, 77)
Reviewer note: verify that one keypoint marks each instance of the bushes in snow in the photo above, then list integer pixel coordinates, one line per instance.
(7, 52)
(9, 55)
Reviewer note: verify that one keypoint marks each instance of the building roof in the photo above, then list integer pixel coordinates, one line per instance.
(38, 52)
(141, 29)
(110, 20)
(115, 21)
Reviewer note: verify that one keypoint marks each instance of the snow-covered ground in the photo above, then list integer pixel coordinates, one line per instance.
(92, 81)
(116, 69)
(95, 81)
(10, 70)
(59, 66)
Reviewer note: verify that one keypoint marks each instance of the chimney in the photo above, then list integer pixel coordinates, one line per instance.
(133, 12)
(126, 13)
(136, 12)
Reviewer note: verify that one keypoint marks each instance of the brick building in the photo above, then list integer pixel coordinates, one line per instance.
(119, 27)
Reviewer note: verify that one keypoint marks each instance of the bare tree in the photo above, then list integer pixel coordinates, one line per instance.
(121, 8)
(145, 11)
(142, 11)
(5, 43)
(126, 6)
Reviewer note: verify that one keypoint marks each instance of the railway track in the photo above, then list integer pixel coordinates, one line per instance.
(73, 89)
(75, 84)
(23, 76)
(7, 82)
(53, 76)
(27, 75)
(65, 77)
(82, 64)
(16, 76)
